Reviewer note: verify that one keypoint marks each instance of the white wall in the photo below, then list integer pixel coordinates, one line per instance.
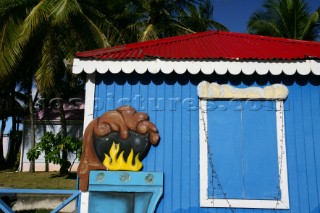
(5, 144)
(74, 129)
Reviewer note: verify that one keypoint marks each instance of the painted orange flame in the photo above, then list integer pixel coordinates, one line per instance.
(113, 162)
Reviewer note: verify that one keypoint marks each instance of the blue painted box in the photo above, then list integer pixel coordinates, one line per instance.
(122, 191)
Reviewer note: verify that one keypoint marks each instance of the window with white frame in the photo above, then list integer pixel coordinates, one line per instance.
(242, 146)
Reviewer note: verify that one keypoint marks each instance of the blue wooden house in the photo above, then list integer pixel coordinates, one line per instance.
(238, 116)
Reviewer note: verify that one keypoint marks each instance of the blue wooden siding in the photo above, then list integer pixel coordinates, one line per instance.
(172, 103)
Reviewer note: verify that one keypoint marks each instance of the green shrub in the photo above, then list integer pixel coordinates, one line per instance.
(53, 145)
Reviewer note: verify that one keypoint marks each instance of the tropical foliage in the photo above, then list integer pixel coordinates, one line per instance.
(52, 145)
(286, 19)
(152, 19)
(38, 38)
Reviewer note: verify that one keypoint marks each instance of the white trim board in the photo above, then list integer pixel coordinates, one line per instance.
(88, 117)
(89, 100)
(84, 202)
(205, 201)
(220, 67)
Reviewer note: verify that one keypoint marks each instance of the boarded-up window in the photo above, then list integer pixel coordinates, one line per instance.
(242, 154)
(243, 147)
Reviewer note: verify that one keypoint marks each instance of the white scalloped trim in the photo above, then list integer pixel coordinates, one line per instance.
(303, 67)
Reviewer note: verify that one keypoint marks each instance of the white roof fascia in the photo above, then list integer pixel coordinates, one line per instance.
(221, 67)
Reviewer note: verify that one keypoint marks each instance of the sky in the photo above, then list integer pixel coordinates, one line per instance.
(234, 14)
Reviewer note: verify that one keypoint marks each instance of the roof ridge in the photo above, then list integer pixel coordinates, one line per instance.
(163, 40)
(212, 44)
(269, 38)
(148, 43)
(226, 33)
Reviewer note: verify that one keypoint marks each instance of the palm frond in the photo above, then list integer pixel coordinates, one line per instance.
(149, 34)
(9, 49)
(37, 16)
(50, 65)
(63, 9)
(285, 18)
(16, 8)
(308, 26)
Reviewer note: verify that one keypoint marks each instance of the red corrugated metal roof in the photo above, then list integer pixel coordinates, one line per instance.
(211, 45)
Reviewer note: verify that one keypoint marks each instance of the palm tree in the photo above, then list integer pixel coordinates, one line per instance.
(199, 18)
(286, 19)
(152, 19)
(12, 104)
(39, 35)
(45, 34)
(12, 14)
(64, 30)
(61, 27)
(17, 101)
(4, 114)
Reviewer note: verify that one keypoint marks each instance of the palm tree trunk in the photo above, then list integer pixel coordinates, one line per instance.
(11, 158)
(32, 128)
(2, 160)
(46, 163)
(62, 119)
(65, 166)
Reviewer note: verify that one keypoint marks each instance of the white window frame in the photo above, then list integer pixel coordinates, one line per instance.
(216, 91)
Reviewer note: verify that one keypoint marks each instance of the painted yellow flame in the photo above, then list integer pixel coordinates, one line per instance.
(113, 163)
